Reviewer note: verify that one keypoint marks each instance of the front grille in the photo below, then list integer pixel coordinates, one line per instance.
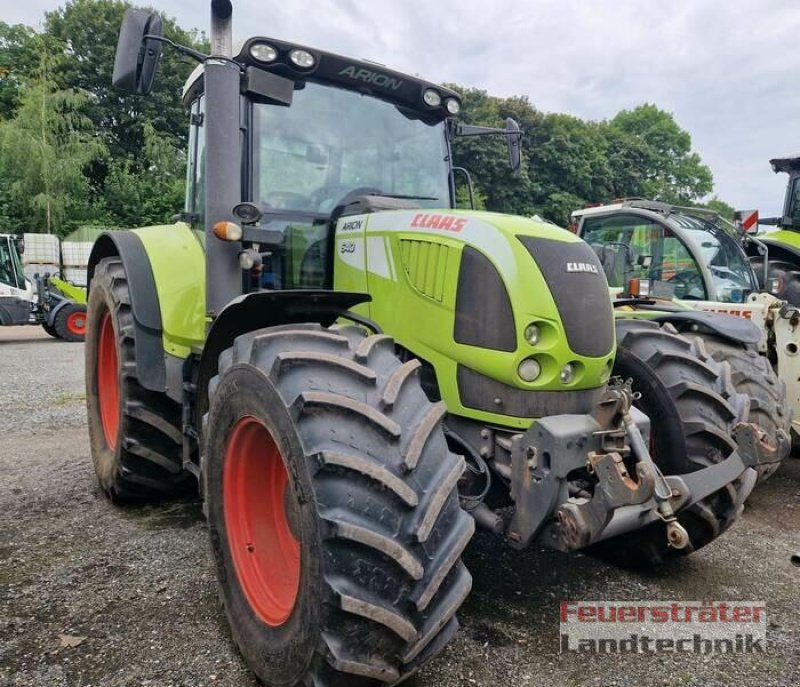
(581, 295)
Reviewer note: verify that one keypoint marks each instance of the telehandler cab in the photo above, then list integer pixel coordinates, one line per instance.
(343, 467)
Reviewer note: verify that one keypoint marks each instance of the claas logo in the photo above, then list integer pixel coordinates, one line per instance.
(442, 222)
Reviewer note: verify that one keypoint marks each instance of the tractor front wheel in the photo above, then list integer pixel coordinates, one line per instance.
(693, 408)
(333, 508)
(134, 433)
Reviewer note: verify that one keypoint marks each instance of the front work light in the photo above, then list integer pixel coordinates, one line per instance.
(302, 58)
(263, 52)
(431, 98)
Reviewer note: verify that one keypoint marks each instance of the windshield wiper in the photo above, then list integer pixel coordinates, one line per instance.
(403, 196)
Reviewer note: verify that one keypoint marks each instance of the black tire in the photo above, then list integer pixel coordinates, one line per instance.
(788, 272)
(142, 462)
(753, 376)
(50, 331)
(70, 323)
(693, 408)
(371, 491)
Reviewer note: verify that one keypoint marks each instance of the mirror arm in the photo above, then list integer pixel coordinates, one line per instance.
(473, 130)
(196, 54)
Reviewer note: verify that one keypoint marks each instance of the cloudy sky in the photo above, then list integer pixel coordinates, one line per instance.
(727, 69)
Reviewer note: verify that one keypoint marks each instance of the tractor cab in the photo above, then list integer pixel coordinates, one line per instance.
(324, 136)
(791, 210)
(660, 250)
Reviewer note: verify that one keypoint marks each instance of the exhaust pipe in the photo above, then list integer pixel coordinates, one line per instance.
(221, 28)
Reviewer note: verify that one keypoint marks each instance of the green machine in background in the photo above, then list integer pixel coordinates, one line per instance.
(356, 373)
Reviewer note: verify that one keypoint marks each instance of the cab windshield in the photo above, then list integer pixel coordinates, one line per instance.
(331, 143)
(719, 245)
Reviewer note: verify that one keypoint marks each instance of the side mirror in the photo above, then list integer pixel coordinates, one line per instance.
(514, 143)
(138, 52)
(19, 242)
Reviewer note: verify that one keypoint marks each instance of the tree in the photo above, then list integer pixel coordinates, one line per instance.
(88, 30)
(18, 55)
(675, 174)
(44, 150)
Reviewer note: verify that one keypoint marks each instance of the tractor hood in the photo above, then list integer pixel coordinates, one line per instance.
(513, 309)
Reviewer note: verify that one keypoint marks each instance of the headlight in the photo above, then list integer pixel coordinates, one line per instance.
(453, 106)
(302, 58)
(529, 370)
(567, 374)
(532, 334)
(263, 52)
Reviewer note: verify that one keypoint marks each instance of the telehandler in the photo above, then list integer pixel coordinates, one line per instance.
(665, 262)
(41, 301)
(357, 374)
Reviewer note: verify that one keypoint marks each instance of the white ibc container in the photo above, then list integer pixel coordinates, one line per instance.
(75, 275)
(76, 253)
(41, 249)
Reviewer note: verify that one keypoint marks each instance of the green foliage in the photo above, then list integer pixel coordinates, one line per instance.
(44, 151)
(721, 208)
(18, 53)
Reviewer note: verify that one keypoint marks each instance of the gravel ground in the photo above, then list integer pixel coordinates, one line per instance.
(91, 594)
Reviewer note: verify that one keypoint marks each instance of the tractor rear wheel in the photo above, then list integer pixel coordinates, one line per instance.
(333, 508)
(693, 407)
(70, 322)
(753, 375)
(134, 433)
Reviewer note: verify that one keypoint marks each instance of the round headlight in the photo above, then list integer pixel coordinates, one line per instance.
(302, 58)
(529, 370)
(263, 52)
(453, 106)
(567, 373)
(532, 334)
(432, 98)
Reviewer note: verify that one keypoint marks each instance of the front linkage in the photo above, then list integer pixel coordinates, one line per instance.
(595, 473)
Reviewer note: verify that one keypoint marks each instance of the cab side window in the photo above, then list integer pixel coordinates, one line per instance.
(195, 169)
(633, 247)
(793, 208)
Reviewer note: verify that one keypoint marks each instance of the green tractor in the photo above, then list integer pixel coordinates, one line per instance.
(357, 374)
(782, 276)
(688, 269)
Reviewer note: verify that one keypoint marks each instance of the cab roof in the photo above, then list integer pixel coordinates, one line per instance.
(665, 209)
(790, 163)
(363, 76)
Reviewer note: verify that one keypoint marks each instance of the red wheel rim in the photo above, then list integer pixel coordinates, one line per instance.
(108, 380)
(76, 323)
(266, 555)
